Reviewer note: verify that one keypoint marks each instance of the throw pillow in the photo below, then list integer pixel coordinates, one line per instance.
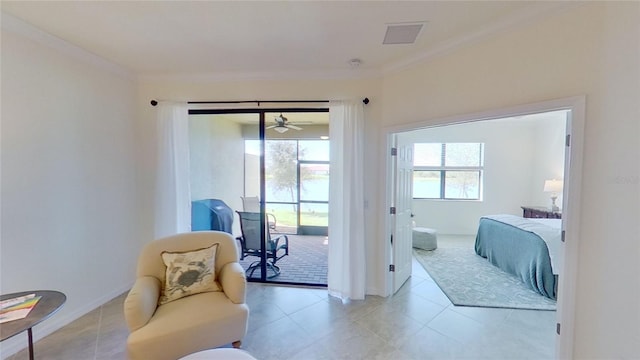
(189, 273)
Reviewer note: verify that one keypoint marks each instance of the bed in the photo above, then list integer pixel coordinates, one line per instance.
(526, 248)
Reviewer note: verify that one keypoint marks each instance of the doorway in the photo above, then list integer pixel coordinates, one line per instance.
(277, 157)
(571, 204)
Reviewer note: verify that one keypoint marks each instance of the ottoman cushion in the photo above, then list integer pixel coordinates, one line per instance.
(425, 238)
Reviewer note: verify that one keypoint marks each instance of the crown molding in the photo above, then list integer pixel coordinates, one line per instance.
(17, 26)
(345, 74)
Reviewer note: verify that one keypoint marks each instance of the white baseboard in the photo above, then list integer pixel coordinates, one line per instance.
(372, 290)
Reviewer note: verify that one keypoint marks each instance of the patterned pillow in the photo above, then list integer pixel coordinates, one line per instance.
(189, 273)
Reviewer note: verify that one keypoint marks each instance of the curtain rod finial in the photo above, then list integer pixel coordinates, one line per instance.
(154, 103)
(365, 101)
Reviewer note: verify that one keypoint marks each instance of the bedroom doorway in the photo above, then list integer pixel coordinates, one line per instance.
(553, 152)
(462, 172)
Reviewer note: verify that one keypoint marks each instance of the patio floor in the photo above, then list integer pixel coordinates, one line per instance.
(306, 263)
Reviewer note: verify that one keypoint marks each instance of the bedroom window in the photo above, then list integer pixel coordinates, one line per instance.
(448, 171)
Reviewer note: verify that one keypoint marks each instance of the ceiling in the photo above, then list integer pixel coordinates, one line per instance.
(280, 38)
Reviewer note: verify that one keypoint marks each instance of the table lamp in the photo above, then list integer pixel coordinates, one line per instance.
(554, 187)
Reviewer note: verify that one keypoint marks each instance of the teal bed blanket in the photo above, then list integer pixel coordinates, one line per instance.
(519, 252)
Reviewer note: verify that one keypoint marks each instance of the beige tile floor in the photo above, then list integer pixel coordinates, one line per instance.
(285, 323)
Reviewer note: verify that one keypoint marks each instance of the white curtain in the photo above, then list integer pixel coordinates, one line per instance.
(346, 269)
(173, 203)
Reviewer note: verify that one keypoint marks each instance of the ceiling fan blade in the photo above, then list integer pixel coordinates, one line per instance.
(270, 127)
(294, 127)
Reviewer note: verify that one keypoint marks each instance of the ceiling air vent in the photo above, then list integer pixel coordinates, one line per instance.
(402, 33)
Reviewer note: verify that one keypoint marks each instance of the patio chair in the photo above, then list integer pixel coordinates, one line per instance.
(276, 247)
(252, 204)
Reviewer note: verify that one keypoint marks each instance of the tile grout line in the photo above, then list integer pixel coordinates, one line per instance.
(99, 326)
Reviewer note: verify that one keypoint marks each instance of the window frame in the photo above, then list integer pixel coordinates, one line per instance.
(443, 170)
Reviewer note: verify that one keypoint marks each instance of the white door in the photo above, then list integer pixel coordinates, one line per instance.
(402, 201)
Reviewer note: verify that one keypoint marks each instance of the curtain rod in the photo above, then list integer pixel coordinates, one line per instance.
(155, 102)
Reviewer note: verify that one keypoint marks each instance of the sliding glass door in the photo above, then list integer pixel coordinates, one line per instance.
(269, 169)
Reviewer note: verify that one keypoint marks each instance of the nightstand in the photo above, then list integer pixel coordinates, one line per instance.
(540, 212)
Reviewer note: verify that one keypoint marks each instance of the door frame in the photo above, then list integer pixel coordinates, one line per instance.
(262, 138)
(576, 105)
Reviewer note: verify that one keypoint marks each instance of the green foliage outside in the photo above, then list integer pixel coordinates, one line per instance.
(282, 161)
(289, 218)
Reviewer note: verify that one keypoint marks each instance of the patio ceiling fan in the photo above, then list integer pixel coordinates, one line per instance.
(282, 125)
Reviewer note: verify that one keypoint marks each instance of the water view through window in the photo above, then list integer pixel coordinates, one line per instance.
(448, 171)
(296, 181)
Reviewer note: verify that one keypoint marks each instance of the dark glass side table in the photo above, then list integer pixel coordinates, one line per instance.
(50, 302)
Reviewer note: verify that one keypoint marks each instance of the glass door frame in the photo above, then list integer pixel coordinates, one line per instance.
(262, 138)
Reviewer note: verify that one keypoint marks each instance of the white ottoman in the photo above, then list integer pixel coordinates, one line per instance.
(220, 354)
(425, 238)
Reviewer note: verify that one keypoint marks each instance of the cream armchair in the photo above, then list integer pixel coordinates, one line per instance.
(191, 323)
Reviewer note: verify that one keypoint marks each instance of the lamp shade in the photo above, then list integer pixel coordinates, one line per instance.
(553, 186)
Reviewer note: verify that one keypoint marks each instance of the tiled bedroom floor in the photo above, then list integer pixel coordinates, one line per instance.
(418, 322)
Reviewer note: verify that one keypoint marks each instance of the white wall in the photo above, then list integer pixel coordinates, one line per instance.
(69, 194)
(548, 161)
(513, 160)
(590, 50)
(252, 175)
(216, 159)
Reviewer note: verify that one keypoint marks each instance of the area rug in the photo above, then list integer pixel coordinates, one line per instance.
(470, 280)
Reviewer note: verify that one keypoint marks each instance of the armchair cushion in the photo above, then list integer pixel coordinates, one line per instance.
(233, 282)
(188, 325)
(188, 273)
(142, 301)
